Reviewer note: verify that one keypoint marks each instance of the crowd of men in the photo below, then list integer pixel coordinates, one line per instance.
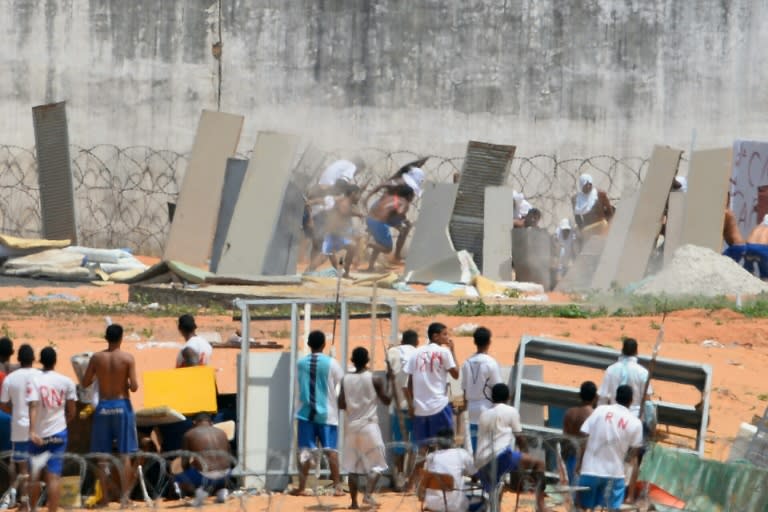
(42, 405)
(604, 429)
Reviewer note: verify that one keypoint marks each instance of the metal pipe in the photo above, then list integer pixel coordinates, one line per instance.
(292, 384)
(242, 381)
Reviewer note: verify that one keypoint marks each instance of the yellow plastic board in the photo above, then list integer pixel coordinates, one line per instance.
(70, 492)
(186, 390)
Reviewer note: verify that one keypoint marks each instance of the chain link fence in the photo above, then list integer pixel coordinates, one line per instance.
(694, 487)
(122, 193)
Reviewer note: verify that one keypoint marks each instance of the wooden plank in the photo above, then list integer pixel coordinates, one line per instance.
(628, 248)
(708, 182)
(194, 223)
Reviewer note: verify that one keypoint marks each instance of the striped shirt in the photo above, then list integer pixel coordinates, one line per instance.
(319, 376)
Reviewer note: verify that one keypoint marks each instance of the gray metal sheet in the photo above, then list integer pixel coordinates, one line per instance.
(57, 196)
(484, 165)
(261, 239)
(608, 261)
(190, 239)
(430, 242)
(674, 231)
(497, 239)
(233, 180)
(628, 250)
(532, 254)
(708, 183)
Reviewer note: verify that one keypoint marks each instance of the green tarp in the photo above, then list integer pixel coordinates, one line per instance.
(706, 485)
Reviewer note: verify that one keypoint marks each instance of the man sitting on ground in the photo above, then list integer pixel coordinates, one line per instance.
(448, 460)
(207, 473)
(499, 430)
(364, 453)
(572, 422)
(613, 432)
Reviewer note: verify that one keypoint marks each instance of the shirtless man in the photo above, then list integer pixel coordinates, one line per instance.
(113, 419)
(572, 422)
(389, 211)
(757, 249)
(737, 246)
(211, 475)
(339, 235)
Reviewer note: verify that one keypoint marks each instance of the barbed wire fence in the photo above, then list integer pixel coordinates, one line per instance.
(688, 481)
(122, 193)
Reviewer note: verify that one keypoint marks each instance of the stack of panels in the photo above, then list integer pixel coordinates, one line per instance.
(485, 165)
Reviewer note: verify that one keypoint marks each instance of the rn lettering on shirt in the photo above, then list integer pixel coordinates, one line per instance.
(430, 362)
(51, 397)
(622, 422)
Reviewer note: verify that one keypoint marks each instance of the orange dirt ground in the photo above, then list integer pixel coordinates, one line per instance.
(739, 390)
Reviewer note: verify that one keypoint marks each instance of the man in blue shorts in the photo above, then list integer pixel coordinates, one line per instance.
(428, 369)
(113, 420)
(398, 357)
(613, 431)
(318, 413)
(499, 432)
(389, 211)
(16, 387)
(208, 472)
(51, 406)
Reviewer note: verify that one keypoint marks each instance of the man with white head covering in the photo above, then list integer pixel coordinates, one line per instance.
(757, 249)
(564, 249)
(591, 207)
(521, 209)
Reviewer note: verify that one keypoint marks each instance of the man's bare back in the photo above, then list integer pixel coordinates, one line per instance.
(575, 418)
(116, 373)
(759, 235)
(731, 233)
(207, 438)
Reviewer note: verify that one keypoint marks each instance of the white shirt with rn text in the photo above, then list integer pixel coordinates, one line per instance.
(51, 390)
(612, 431)
(428, 367)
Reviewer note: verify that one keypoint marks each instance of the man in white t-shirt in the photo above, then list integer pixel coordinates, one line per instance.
(448, 460)
(16, 387)
(51, 407)
(626, 371)
(613, 432)
(479, 374)
(428, 369)
(196, 351)
(398, 357)
(499, 430)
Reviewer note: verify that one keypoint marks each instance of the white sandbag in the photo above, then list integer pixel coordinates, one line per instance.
(100, 255)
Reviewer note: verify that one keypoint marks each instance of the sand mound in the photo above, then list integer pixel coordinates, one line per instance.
(699, 271)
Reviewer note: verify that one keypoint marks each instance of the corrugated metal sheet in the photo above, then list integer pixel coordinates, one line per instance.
(54, 170)
(485, 165)
(757, 453)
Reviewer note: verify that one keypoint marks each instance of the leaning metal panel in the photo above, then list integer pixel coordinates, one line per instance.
(697, 375)
(57, 193)
(244, 306)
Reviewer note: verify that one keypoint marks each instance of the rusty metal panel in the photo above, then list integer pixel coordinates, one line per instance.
(54, 170)
(485, 165)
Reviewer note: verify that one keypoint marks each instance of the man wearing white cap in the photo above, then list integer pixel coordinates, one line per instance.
(521, 209)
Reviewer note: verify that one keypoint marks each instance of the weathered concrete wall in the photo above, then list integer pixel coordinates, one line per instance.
(575, 78)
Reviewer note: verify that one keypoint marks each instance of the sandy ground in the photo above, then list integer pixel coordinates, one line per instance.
(739, 389)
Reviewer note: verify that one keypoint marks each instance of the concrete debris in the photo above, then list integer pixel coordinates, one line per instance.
(712, 344)
(699, 271)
